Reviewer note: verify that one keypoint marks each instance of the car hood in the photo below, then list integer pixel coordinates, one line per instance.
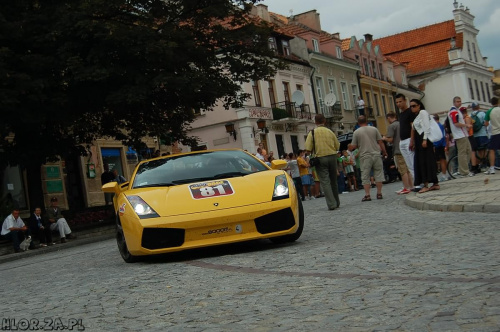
(185, 199)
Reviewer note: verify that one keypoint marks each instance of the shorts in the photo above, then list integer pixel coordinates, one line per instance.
(400, 164)
(439, 153)
(494, 142)
(472, 141)
(481, 142)
(372, 163)
(306, 180)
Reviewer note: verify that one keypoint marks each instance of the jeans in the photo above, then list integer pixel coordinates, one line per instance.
(341, 182)
(327, 173)
(16, 237)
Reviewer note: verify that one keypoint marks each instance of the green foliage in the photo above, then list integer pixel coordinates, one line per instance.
(280, 113)
(72, 71)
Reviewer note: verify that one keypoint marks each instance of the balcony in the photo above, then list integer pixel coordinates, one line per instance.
(286, 109)
(332, 112)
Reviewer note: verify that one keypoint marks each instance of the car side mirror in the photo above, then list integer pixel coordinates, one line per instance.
(279, 164)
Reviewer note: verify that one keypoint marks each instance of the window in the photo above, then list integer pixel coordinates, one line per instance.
(384, 105)
(482, 90)
(339, 52)
(367, 68)
(391, 101)
(299, 87)
(295, 143)
(345, 98)
(12, 191)
(381, 71)
(319, 92)
(332, 87)
(474, 50)
(270, 89)
(271, 42)
(471, 89)
(279, 145)
(374, 69)
(390, 72)
(256, 93)
(315, 45)
(488, 92)
(354, 90)
(286, 91)
(112, 157)
(368, 100)
(468, 50)
(403, 78)
(375, 99)
(286, 47)
(477, 89)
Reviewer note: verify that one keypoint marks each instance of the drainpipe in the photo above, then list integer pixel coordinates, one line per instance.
(312, 84)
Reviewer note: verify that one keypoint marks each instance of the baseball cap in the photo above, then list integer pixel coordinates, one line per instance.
(463, 109)
(474, 104)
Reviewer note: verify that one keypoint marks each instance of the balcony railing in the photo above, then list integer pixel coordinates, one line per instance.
(287, 109)
(334, 111)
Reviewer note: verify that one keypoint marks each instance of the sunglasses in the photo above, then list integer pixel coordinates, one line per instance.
(413, 106)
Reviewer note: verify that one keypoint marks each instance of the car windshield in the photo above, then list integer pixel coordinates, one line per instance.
(174, 170)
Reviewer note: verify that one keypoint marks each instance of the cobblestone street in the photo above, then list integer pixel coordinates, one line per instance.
(377, 265)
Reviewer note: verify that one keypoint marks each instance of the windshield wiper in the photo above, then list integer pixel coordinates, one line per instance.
(229, 175)
(206, 178)
(166, 184)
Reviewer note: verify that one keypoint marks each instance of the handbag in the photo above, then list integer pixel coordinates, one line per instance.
(314, 161)
(435, 133)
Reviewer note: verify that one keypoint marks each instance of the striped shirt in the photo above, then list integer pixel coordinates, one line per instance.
(326, 143)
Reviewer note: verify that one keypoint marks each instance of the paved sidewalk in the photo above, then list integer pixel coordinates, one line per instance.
(480, 193)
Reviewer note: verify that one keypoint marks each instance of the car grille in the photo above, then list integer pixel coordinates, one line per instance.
(274, 222)
(157, 238)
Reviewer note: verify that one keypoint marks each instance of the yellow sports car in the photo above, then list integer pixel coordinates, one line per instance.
(204, 198)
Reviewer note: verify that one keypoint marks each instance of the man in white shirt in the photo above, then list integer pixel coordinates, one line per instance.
(14, 229)
(459, 130)
(361, 106)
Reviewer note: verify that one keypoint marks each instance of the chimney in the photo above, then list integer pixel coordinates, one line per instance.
(368, 37)
(261, 11)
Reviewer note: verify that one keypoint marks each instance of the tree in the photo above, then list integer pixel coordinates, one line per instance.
(72, 71)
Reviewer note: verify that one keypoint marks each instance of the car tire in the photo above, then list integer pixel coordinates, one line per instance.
(122, 246)
(295, 236)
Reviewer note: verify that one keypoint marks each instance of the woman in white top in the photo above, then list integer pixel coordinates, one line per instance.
(425, 160)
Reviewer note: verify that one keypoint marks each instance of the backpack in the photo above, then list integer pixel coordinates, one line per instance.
(447, 127)
(477, 124)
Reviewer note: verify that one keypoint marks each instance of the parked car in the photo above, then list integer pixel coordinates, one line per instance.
(201, 199)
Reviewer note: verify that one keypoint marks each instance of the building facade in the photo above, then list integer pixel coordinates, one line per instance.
(444, 60)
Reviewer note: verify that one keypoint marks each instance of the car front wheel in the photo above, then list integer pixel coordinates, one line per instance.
(122, 246)
(295, 236)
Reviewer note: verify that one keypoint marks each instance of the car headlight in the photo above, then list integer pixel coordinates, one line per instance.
(280, 188)
(141, 208)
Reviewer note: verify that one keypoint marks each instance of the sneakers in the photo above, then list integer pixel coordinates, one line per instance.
(63, 240)
(400, 190)
(490, 171)
(471, 174)
(443, 177)
(405, 191)
(42, 245)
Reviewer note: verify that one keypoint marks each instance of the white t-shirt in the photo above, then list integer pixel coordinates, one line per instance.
(294, 168)
(361, 103)
(10, 222)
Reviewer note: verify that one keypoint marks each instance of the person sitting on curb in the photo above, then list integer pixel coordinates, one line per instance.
(40, 228)
(14, 229)
(57, 221)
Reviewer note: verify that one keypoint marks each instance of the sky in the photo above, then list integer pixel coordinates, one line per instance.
(387, 17)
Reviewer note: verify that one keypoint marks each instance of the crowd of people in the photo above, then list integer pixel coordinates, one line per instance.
(408, 152)
(38, 225)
